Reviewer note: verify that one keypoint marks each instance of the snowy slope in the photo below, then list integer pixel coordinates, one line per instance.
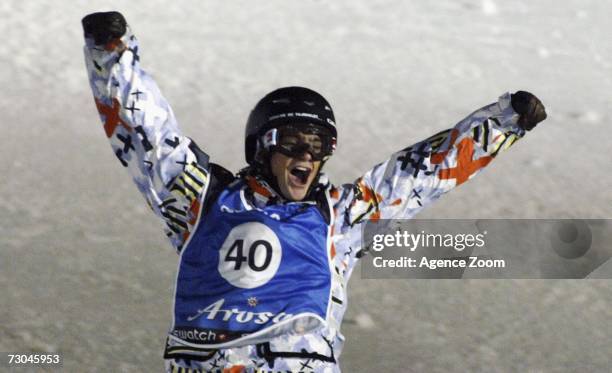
(85, 270)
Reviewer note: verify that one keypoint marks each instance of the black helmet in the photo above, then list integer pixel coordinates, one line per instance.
(286, 106)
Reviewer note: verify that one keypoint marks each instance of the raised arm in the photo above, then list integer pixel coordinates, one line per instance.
(418, 175)
(168, 168)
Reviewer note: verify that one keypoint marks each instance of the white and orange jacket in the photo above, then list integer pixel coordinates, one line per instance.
(179, 183)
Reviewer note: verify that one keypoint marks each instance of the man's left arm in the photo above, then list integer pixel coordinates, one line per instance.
(418, 175)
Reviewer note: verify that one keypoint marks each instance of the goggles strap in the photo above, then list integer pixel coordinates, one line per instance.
(269, 138)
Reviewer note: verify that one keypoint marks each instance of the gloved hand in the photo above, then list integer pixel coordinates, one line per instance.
(104, 26)
(530, 109)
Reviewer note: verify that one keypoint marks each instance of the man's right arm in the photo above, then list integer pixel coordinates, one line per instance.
(171, 172)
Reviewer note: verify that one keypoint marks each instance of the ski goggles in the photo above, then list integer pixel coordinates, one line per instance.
(295, 140)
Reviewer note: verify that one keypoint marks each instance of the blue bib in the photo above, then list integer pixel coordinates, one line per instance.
(248, 275)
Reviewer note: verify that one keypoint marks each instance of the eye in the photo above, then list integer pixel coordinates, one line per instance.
(316, 146)
(314, 141)
(289, 140)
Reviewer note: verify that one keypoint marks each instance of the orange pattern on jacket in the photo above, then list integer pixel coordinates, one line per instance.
(438, 158)
(235, 369)
(369, 196)
(258, 188)
(111, 117)
(466, 166)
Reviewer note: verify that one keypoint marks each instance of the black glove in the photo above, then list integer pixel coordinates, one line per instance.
(104, 27)
(530, 109)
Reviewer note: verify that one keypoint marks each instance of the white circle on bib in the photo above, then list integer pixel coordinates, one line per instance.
(250, 255)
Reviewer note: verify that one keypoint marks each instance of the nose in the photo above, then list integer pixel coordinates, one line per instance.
(302, 152)
(305, 155)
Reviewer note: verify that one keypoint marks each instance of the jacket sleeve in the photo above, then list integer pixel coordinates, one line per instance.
(418, 175)
(168, 168)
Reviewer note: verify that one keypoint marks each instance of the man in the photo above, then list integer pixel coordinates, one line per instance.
(265, 255)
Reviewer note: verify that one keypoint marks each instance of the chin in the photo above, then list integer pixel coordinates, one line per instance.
(297, 196)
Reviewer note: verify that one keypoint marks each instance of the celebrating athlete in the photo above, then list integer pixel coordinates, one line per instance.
(265, 254)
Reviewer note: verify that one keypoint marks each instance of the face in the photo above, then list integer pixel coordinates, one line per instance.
(294, 175)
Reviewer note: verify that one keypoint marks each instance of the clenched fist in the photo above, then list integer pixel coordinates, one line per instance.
(530, 109)
(104, 26)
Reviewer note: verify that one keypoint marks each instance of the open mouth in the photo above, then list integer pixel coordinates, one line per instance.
(300, 174)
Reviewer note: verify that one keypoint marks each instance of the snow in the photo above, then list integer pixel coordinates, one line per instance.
(85, 269)
(364, 321)
(489, 7)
